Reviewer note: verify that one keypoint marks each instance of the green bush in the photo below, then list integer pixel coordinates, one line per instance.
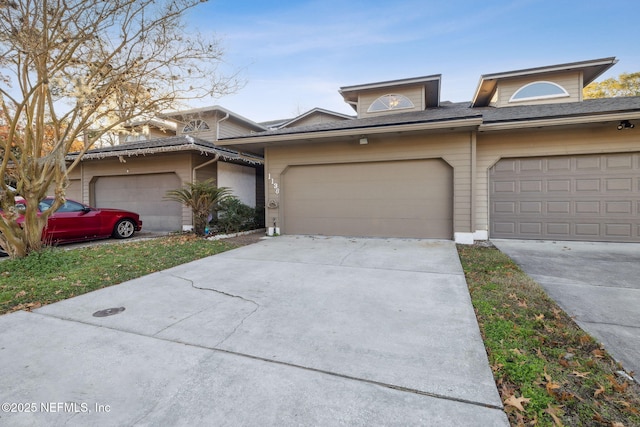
(233, 217)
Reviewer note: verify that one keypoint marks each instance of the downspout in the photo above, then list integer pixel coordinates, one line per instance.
(218, 126)
(193, 172)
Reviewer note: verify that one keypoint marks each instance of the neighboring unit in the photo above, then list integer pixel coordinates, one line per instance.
(136, 175)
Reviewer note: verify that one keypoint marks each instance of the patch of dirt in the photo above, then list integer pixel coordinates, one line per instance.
(246, 239)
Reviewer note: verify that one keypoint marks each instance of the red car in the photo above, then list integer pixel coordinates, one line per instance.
(74, 222)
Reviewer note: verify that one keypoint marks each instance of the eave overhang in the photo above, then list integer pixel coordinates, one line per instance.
(184, 144)
(185, 115)
(257, 143)
(557, 121)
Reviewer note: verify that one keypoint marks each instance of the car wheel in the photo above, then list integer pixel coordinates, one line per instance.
(124, 229)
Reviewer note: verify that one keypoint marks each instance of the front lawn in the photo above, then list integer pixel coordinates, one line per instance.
(57, 273)
(548, 370)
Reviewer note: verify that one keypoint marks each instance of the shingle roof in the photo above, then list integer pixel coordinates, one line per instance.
(572, 109)
(167, 145)
(449, 111)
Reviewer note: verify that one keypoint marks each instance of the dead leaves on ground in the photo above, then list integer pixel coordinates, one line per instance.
(516, 402)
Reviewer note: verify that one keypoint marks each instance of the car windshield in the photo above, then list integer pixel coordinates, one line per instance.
(68, 206)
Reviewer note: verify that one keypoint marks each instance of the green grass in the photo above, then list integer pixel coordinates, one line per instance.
(548, 370)
(56, 273)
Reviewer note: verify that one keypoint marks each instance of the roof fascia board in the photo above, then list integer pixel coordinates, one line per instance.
(400, 82)
(180, 115)
(373, 130)
(551, 69)
(560, 121)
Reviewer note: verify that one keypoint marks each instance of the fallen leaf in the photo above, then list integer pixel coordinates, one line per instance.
(553, 411)
(585, 339)
(516, 402)
(598, 353)
(580, 374)
(513, 296)
(522, 304)
(516, 351)
(20, 294)
(599, 391)
(539, 317)
(617, 424)
(620, 388)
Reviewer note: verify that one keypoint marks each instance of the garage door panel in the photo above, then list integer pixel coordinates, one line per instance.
(144, 195)
(597, 199)
(380, 199)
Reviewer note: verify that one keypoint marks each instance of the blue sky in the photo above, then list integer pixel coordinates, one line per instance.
(295, 55)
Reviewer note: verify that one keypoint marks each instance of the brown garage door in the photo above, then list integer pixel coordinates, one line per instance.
(144, 195)
(379, 199)
(590, 198)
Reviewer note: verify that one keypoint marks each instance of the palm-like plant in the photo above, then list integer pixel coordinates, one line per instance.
(202, 197)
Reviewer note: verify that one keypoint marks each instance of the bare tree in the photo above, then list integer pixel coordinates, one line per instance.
(66, 65)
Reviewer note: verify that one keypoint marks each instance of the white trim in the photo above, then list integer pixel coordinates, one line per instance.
(481, 235)
(565, 94)
(463, 238)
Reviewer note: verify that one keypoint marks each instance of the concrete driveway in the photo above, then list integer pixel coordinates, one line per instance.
(292, 330)
(596, 283)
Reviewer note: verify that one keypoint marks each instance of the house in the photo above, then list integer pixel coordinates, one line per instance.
(526, 158)
(144, 130)
(311, 117)
(136, 175)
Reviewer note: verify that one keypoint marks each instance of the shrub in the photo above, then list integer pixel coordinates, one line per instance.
(233, 217)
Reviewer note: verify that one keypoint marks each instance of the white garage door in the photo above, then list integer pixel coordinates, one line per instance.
(379, 199)
(144, 195)
(590, 198)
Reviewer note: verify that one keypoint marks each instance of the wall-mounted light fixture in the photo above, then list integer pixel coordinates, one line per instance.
(625, 124)
(364, 140)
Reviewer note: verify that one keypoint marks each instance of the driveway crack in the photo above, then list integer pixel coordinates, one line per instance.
(227, 294)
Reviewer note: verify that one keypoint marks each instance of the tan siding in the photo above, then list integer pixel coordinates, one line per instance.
(453, 148)
(571, 82)
(415, 94)
(493, 146)
(230, 128)
(206, 172)
(209, 118)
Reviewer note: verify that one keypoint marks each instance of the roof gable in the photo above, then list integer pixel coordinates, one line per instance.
(587, 71)
(316, 115)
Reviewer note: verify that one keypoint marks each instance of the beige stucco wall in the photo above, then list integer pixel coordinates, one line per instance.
(240, 179)
(454, 148)
(493, 146)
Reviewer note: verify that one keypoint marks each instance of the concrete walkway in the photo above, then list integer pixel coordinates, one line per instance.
(290, 331)
(598, 284)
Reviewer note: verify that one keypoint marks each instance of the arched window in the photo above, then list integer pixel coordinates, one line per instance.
(390, 102)
(539, 90)
(195, 125)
